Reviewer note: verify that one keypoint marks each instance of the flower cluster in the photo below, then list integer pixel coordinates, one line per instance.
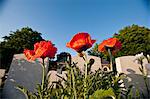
(42, 49)
(80, 43)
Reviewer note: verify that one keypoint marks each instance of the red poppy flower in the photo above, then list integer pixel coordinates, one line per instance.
(81, 42)
(43, 49)
(112, 43)
(29, 53)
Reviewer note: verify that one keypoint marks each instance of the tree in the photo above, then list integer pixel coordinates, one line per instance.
(21, 39)
(16, 42)
(135, 39)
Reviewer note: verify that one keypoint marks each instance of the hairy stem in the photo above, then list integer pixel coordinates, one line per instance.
(85, 77)
(111, 59)
(43, 73)
(74, 89)
(145, 79)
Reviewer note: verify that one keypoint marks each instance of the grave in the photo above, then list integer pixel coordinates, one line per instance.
(2, 74)
(52, 77)
(80, 62)
(127, 65)
(24, 73)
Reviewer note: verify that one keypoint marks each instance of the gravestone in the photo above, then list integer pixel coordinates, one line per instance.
(80, 62)
(24, 73)
(147, 66)
(127, 65)
(2, 74)
(52, 77)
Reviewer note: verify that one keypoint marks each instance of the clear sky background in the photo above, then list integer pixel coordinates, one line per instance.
(59, 20)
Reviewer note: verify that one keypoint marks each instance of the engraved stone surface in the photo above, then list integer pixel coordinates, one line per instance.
(52, 76)
(127, 65)
(24, 73)
(2, 73)
(80, 62)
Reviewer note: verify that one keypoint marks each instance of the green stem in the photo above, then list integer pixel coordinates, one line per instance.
(148, 60)
(74, 89)
(43, 74)
(24, 92)
(85, 78)
(111, 59)
(69, 76)
(112, 62)
(145, 78)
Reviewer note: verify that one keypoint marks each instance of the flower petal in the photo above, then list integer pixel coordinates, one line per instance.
(81, 42)
(28, 53)
(112, 43)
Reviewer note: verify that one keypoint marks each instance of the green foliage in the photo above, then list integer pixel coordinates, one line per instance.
(103, 94)
(67, 88)
(135, 39)
(144, 74)
(15, 43)
(39, 93)
(21, 39)
(100, 85)
(95, 81)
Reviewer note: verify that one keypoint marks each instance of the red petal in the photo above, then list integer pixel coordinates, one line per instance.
(29, 53)
(101, 46)
(80, 42)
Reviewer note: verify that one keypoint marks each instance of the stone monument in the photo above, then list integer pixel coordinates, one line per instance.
(127, 66)
(80, 62)
(24, 73)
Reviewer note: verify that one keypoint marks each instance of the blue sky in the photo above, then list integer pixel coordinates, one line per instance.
(59, 20)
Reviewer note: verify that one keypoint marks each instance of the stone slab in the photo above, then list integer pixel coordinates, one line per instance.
(127, 65)
(2, 73)
(24, 73)
(52, 76)
(80, 62)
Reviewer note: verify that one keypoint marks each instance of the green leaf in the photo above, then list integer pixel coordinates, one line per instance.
(103, 94)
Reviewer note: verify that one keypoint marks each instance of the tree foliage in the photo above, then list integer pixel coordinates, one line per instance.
(135, 39)
(21, 39)
(16, 42)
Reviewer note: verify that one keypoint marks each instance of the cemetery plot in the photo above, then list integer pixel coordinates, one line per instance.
(24, 73)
